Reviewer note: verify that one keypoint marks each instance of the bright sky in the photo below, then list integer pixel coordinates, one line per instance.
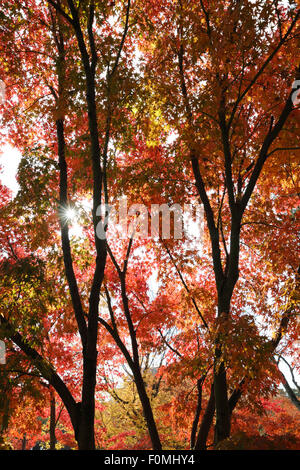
(9, 160)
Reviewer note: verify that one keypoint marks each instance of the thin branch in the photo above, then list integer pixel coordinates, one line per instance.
(259, 223)
(115, 335)
(112, 257)
(128, 253)
(61, 11)
(207, 20)
(187, 288)
(168, 344)
(122, 41)
(238, 391)
(291, 371)
(36, 101)
(214, 234)
(111, 312)
(290, 392)
(59, 413)
(44, 367)
(263, 155)
(228, 157)
(91, 37)
(263, 67)
(283, 148)
(12, 249)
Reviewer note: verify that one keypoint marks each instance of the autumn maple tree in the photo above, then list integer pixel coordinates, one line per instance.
(173, 102)
(219, 92)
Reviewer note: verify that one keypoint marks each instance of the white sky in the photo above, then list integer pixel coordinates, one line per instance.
(9, 161)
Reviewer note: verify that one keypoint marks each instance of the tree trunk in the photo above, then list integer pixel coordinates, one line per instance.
(222, 429)
(206, 422)
(86, 436)
(24, 441)
(52, 421)
(85, 411)
(290, 392)
(147, 409)
(197, 413)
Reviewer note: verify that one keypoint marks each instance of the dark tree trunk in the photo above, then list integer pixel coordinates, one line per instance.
(52, 421)
(147, 409)
(222, 428)
(197, 413)
(206, 422)
(290, 392)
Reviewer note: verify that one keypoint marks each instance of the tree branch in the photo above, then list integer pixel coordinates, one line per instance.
(61, 11)
(265, 64)
(45, 368)
(290, 392)
(269, 139)
(122, 41)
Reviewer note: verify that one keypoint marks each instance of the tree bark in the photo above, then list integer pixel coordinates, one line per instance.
(147, 409)
(52, 421)
(222, 428)
(47, 372)
(206, 422)
(197, 413)
(290, 392)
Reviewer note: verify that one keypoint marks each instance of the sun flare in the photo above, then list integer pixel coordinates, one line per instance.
(70, 213)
